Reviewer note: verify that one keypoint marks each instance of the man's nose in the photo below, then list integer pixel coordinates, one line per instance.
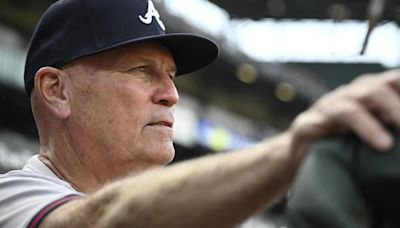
(166, 93)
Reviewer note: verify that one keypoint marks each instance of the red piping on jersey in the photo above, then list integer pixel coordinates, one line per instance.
(38, 218)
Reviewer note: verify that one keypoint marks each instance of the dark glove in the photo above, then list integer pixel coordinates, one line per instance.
(344, 183)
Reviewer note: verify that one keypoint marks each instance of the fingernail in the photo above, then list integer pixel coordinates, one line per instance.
(385, 141)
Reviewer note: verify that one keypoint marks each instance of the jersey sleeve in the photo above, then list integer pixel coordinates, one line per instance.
(26, 199)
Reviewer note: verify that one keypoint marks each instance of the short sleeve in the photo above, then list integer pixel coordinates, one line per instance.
(26, 198)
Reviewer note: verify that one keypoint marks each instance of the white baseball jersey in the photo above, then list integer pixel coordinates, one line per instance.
(29, 194)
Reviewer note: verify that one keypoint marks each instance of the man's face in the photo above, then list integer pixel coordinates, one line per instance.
(122, 104)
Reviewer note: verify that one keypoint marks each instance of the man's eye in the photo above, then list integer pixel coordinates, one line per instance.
(138, 69)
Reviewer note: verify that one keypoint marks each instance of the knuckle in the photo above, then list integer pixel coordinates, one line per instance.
(393, 73)
(377, 96)
(349, 112)
(365, 78)
(383, 91)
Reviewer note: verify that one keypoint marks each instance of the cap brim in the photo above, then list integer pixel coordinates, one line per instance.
(191, 52)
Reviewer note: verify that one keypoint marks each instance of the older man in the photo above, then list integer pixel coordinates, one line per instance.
(99, 74)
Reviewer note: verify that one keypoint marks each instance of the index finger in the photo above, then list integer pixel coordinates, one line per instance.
(369, 129)
(393, 78)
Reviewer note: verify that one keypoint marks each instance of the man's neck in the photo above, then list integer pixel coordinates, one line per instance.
(79, 178)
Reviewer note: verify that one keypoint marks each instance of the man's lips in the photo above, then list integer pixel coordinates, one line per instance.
(162, 123)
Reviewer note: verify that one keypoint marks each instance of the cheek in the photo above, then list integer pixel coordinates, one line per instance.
(124, 103)
(112, 110)
(126, 114)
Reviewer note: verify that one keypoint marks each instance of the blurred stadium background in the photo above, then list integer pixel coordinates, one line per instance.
(277, 57)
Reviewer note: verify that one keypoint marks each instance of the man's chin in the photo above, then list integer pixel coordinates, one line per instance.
(169, 156)
(165, 155)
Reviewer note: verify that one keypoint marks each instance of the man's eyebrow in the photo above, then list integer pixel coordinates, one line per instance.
(171, 67)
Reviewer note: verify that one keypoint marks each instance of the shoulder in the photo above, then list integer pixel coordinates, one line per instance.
(24, 194)
(21, 180)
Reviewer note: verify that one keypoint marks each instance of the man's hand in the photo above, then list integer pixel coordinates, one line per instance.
(362, 106)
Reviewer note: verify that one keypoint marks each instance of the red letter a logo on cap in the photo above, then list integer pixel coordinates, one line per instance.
(151, 12)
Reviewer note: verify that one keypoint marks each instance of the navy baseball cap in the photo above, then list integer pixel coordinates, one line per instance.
(70, 29)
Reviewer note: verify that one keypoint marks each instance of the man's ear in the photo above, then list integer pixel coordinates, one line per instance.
(50, 86)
